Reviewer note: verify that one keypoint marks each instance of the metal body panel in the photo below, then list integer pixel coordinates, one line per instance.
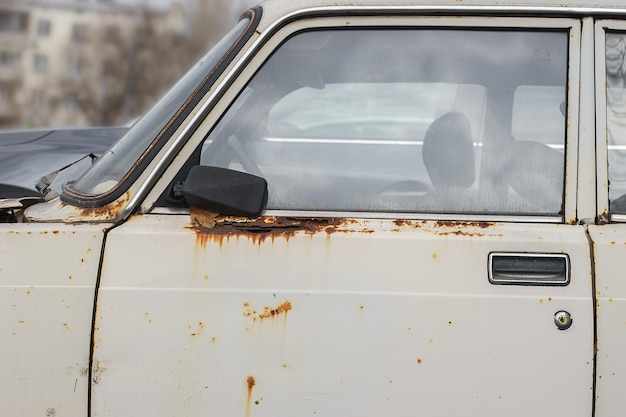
(608, 242)
(47, 280)
(337, 316)
(370, 314)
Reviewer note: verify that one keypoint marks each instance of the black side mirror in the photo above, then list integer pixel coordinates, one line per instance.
(225, 191)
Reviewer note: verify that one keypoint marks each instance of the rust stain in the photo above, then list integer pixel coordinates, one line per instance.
(603, 217)
(480, 225)
(211, 227)
(541, 301)
(199, 327)
(419, 361)
(108, 211)
(250, 383)
(401, 222)
(445, 227)
(268, 312)
(273, 312)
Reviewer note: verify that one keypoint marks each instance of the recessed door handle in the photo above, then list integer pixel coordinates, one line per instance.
(506, 268)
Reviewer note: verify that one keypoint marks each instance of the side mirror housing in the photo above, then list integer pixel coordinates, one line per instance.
(225, 191)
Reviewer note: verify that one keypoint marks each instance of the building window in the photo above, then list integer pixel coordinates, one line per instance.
(79, 32)
(9, 57)
(74, 67)
(43, 28)
(71, 104)
(41, 63)
(12, 22)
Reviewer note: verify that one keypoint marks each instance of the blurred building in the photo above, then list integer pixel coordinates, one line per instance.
(45, 40)
(14, 26)
(79, 62)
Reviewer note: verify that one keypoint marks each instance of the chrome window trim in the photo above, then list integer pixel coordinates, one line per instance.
(492, 218)
(618, 218)
(477, 12)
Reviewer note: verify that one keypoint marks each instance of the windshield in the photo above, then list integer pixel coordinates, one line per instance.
(124, 155)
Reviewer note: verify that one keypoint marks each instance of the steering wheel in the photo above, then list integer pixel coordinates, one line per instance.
(218, 151)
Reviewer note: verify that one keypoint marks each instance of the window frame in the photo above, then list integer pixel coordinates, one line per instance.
(273, 38)
(602, 136)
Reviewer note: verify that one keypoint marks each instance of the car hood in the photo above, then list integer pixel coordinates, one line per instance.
(27, 155)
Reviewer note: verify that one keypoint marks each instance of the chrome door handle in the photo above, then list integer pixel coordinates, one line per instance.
(510, 268)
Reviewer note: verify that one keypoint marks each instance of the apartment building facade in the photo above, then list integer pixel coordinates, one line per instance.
(45, 44)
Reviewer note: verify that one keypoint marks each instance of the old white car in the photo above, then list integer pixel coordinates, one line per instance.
(360, 208)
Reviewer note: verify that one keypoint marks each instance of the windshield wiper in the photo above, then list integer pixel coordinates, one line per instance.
(44, 184)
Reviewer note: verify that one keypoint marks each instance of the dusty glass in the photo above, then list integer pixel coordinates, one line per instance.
(405, 120)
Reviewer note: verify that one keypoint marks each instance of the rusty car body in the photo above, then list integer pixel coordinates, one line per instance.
(345, 208)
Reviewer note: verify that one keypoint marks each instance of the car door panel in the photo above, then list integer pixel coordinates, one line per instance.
(46, 305)
(352, 316)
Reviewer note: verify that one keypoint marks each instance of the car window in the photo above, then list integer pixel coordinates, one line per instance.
(404, 120)
(616, 119)
(115, 164)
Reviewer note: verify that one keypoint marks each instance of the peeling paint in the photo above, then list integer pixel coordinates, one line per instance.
(97, 372)
(268, 312)
(210, 226)
(218, 228)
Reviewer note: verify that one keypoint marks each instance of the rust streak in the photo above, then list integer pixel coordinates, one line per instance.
(273, 312)
(212, 227)
(250, 383)
(481, 225)
(108, 211)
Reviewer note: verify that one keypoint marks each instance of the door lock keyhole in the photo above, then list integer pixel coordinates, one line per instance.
(563, 320)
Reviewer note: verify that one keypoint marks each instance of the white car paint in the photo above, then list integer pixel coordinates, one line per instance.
(135, 309)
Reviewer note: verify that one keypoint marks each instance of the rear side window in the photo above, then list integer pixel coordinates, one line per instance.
(616, 119)
(404, 120)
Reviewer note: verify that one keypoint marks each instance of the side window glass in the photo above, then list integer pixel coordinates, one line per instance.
(404, 120)
(616, 119)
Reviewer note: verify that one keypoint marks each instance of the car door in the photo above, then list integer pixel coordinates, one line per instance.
(609, 235)
(46, 305)
(419, 252)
